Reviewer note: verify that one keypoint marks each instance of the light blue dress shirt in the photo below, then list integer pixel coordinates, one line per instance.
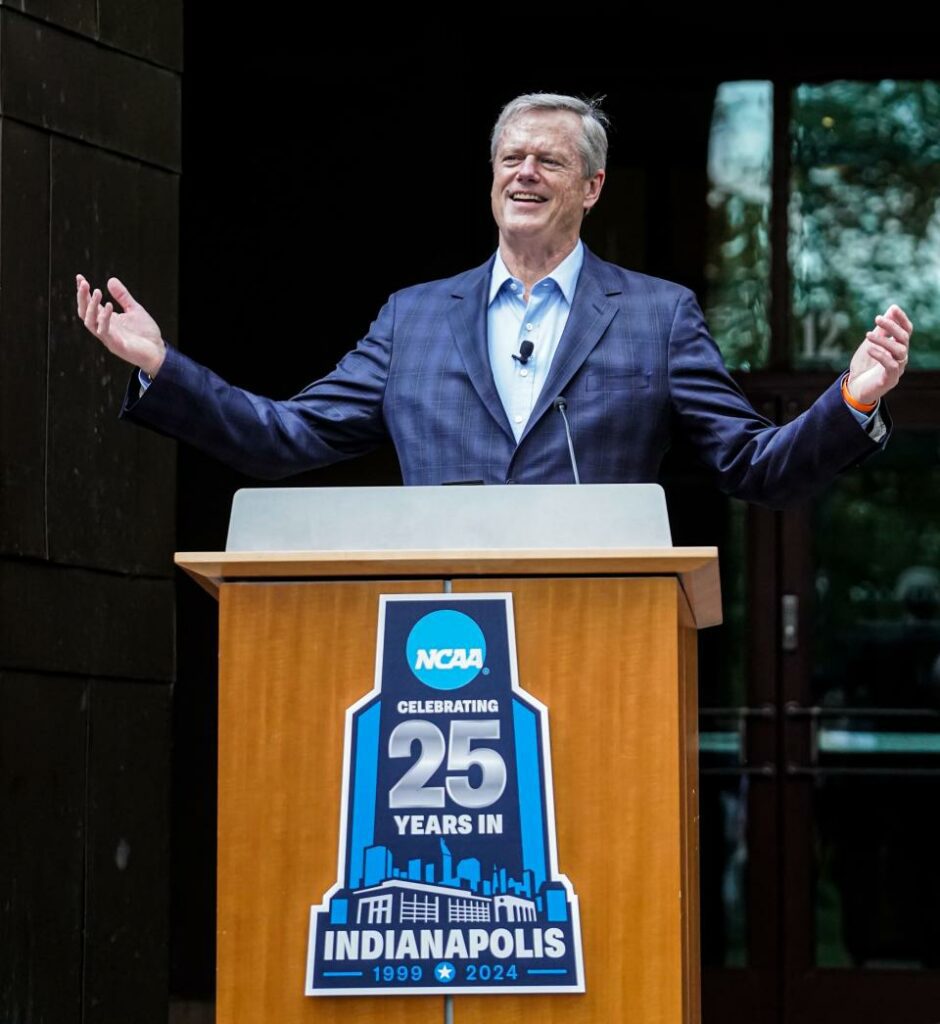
(511, 320)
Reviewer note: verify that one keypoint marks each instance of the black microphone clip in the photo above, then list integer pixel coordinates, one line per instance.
(525, 353)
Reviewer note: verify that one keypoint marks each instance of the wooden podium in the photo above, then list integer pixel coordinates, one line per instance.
(607, 640)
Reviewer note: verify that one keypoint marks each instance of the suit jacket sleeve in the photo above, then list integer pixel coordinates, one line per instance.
(751, 457)
(335, 418)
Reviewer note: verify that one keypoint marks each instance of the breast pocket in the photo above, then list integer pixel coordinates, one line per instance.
(617, 380)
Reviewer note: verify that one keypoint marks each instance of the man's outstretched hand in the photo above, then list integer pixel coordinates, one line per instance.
(881, 359)
(132, 335)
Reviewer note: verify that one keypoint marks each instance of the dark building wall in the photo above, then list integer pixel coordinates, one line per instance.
(89, 182)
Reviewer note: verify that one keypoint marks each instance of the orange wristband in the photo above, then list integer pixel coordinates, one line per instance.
(854, 402)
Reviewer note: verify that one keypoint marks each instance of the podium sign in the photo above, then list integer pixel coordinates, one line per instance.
(447, 874)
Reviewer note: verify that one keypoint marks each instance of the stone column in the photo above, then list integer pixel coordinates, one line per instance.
(89, 182)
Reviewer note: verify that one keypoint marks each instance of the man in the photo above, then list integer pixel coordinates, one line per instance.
(465, 375)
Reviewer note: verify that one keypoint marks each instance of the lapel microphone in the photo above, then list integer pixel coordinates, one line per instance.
(525, 353)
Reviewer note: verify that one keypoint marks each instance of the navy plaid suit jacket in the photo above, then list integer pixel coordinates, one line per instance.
(635, 363)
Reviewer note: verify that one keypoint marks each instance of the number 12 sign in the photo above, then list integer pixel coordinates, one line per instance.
(447, 876)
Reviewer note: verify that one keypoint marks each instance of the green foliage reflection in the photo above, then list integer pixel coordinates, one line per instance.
(864, 215)
(738, 267)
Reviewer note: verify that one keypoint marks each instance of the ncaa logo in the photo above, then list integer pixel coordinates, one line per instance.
(446, 649)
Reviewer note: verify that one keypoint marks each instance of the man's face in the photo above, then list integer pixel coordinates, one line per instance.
(539, 191)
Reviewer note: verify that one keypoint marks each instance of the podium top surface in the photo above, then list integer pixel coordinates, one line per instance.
(450, 518)
(442, 532)
(696, 568)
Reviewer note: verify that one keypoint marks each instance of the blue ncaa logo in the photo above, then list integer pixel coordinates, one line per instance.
(446, 649)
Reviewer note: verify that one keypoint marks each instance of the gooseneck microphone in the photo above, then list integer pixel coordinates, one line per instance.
(525, 353)
(561, 404)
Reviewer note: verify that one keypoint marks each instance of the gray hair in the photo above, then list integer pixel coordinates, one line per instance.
(593, 141)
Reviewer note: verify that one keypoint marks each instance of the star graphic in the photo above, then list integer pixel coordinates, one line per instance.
(444, 972)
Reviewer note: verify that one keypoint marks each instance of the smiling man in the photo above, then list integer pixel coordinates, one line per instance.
(543, 185)
(470, 376)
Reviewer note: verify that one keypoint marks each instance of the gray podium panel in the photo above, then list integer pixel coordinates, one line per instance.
(462, 518)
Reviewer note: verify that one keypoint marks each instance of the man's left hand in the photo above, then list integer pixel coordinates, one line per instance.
(881, 358)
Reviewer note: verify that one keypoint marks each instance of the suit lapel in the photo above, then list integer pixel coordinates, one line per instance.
(467, 317)
(591, 313)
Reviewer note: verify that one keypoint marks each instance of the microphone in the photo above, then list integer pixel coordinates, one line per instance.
(525, 353)
(561, 404)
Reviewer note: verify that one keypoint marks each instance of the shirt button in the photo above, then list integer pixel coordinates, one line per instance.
(530, 327)
(514, 287)
(517, 419)
(523, 373)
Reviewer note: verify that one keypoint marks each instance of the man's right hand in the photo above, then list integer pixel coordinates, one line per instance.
(132, 335)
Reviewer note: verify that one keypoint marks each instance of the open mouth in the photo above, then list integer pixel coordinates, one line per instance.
(527, 197)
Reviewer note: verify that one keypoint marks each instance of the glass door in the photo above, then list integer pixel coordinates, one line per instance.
(820, 746)
(860, 576)
(820, 756)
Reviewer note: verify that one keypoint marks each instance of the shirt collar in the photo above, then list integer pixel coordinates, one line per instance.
(565, 275)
